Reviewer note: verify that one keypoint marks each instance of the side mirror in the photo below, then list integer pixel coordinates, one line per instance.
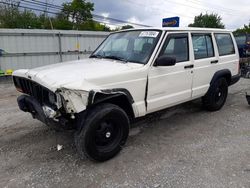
(165, 61)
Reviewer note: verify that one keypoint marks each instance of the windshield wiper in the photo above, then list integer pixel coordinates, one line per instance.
(116, 58)
(96, 56)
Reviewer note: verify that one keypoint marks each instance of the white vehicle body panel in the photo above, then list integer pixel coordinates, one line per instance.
(204, 70)
(90, 74)
(170, 85)
(152, 88)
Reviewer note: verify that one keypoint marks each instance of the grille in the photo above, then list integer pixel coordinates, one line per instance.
(40, 93)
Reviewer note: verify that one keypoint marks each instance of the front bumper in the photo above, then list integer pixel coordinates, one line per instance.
(44, 114)
(31, 105)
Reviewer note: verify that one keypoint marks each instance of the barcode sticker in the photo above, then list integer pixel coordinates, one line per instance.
(153, 34)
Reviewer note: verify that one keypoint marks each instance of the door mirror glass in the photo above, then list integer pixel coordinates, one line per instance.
(165, 61)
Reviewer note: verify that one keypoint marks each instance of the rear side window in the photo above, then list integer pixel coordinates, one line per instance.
(203, 46)
(225, 44)
(176, 46)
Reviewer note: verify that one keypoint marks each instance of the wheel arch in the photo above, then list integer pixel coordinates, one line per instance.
(222, 73)
(118, 96)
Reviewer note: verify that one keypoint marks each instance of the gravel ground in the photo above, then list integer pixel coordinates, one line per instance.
(180, 147)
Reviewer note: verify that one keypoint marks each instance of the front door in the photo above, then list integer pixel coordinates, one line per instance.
(171, 85)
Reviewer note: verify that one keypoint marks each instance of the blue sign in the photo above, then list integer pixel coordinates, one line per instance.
(171, 22)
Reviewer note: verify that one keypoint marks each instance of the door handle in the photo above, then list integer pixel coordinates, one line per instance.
(189, 66)
(215, 61)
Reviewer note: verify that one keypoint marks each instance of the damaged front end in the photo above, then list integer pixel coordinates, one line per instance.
(62, 107)
(56, 109)
(73, 101)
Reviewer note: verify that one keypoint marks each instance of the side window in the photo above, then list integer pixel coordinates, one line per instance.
(225, 44)
(203, 46)
(176, 47)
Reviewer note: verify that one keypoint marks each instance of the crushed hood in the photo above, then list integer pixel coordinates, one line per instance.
(73, 75)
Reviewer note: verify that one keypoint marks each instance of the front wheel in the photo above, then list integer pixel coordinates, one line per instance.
(216, 95)
(103, 133)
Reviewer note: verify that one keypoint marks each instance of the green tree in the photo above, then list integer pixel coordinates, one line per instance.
(93, 26)
(208, 20)
(245, 29)
(75, 15)
(59, 22)
(127, 27)
(11, 17)
(78, 12)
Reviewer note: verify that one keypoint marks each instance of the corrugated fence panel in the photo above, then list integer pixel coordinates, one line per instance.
(27, 62)
(21, 48)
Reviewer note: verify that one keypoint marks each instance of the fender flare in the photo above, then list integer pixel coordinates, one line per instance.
(222, 73)
(105, 94)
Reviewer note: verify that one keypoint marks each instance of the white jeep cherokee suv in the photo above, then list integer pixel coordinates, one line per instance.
(131, 74)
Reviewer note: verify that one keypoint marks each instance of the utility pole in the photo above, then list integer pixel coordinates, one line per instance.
(46, 8)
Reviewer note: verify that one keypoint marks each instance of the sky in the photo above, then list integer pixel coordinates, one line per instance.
(234, 13)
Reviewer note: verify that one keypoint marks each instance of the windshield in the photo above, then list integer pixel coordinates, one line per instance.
(129, 46)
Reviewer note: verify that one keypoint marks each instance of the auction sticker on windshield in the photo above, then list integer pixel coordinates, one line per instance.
(149, 34)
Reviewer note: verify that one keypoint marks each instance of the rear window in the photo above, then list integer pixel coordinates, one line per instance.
(225, 44)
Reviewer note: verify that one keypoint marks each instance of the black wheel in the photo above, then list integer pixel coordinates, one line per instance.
(248, 74)
(216, 95)
(103, 132)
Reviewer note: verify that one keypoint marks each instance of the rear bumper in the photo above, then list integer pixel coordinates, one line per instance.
(235, 79)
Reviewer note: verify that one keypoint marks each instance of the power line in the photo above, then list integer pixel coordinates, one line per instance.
(29, 8)
(221, 8)
(156, 10)
(94, 15)
(182, 4)
(40, 5)
(229, 12)
(118, 20)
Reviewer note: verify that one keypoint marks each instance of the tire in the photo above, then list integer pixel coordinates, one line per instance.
(103, 133)
(216, 96)
(247, 74)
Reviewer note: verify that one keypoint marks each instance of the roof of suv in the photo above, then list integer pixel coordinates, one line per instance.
(183, 29)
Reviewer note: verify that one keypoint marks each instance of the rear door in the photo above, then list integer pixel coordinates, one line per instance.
(205, 62)
(217, 52)
(171, 85)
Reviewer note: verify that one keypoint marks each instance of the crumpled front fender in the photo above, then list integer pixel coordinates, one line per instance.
(74, 101)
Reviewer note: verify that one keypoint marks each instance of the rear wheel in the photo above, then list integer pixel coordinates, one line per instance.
(103, 133)
(216, 95)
